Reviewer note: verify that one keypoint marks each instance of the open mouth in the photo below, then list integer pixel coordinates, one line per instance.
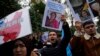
(19, 54)
(52, 39)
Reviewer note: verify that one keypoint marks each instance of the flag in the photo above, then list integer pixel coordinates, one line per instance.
(15, 25)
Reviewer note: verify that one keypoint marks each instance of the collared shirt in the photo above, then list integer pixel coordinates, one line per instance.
(87, 37)
(91, 45)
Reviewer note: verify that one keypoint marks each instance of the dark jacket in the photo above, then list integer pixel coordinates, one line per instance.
(91, 45)
(76, 46)
(60, 50)
(86, 45)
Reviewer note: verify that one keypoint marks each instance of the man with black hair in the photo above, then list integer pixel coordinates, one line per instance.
(90, 41)
(57, 48)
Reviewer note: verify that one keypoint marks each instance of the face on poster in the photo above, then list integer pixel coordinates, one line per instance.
(81, 8)
(52, 15)
(52, 19)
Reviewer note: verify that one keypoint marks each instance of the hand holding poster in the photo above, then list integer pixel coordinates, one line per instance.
(52, 15)
(14, 26)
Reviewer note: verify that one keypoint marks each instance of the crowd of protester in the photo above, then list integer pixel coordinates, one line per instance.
(84, 42)
(34, 45)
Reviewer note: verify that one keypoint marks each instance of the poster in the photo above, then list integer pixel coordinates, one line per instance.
(15, 25)
(44, 36)
(52, 15)
(82, 8)
(95, 8)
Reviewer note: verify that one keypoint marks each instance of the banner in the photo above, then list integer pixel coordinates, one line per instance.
(15, 25)
(52, 15)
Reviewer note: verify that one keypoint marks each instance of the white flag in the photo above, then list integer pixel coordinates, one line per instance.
(15, 25)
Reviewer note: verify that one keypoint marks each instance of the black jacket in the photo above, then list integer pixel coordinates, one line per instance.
(60, 50)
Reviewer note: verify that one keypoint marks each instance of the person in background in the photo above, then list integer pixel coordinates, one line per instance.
(79, 29)
(37, 41)
(76, 38)
(35, 52)
(20, 48)
(90, 41)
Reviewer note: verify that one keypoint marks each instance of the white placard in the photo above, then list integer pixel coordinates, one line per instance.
(52, 15)
(15, 25)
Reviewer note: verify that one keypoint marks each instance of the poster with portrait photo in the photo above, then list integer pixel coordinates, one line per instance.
(52, 15)
(76, 5)
(81, 8)
(85, 15)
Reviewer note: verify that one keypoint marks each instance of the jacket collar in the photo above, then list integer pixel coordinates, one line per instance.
(77, 33)
(87, 37)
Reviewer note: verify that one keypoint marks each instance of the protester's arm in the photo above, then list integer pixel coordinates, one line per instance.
(67, 36)
(65, 40)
